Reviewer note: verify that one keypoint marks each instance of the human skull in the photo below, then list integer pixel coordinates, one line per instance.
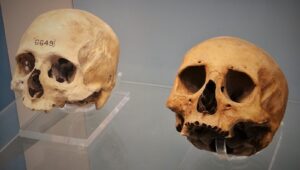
(66, 56)
(229, 89)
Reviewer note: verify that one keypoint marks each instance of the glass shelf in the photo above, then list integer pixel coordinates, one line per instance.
(142, 135)
(75, 126)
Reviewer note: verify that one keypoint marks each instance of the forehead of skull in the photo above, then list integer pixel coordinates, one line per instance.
(69, 28)
(228, 53)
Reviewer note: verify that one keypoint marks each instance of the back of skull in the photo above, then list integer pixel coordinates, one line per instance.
(66, 56)
(229, 89)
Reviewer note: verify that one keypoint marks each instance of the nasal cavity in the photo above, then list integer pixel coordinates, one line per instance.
(34, 86)
(207, 102)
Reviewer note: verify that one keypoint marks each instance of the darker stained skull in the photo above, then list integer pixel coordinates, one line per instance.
(230, 89)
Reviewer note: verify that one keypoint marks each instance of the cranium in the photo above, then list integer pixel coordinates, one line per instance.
(229, 89)
(66, 56)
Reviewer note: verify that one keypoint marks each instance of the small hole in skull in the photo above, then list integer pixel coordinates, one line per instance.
(50, 73)
(192, 79)
(25, 62)
(239, 85)
(62, 70)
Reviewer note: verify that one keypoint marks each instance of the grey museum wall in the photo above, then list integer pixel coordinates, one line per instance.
(7, 95)
(9, 125)
(155, 34)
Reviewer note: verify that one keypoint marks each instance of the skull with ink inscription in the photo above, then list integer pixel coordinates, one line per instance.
(228, 89)
(66, 56)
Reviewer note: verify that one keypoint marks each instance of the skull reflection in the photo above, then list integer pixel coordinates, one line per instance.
(230, 89)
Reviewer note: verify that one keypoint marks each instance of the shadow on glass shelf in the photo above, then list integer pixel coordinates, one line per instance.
(195, 158)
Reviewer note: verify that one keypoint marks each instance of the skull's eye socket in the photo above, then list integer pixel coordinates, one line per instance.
(25, 62)
(238, 85)
(62, 70)
(191, 79)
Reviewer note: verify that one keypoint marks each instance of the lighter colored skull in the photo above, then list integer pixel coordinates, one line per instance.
(228, 88)
(66, 56)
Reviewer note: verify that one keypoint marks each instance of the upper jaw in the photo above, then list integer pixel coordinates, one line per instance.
(204, 135)
(244, 141)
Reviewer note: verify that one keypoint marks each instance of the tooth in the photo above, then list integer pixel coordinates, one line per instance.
(184, 132)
